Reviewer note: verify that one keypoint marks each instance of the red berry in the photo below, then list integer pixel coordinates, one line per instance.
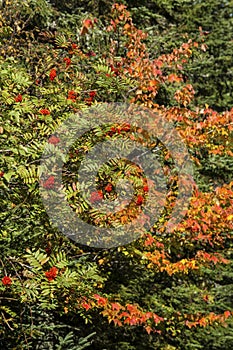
(108, 188)
(139, 200)
(96, 196)
(126, 127)
(44, 111)
(54, 140)
(52, 74)
(92, 94)
(52, 273)
(6, 281)
(18, 98)
(49, 183)
(68, 61)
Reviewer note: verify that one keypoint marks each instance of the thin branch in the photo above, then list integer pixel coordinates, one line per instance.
(4, 318)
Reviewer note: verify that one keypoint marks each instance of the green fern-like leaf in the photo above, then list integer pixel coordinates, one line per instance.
(36, 259)
(61, 41)
(29, 174)
(59, 260)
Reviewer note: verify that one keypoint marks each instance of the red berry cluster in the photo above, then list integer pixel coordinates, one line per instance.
(118, 129)
(49, 183)
(67, 60)
(114, 69)
(52, 273)
(6, 281)
(89, 99)
(52, 74)
(108, 188)
(140, 199)
(18, 98)
(96, 196)
(72, 95)
(44, 111)
(54, 140)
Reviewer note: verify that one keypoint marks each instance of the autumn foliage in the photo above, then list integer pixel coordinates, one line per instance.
(164, 283)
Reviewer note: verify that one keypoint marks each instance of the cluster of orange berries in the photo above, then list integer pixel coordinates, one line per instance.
(52, 273)
(49, 183)
(89, 99)
(6, 281)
